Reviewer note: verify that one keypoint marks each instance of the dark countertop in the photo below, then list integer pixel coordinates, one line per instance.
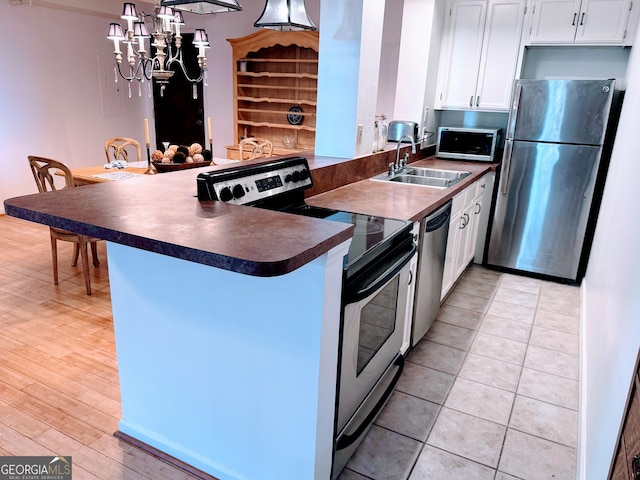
(161, 213)
(394, 200)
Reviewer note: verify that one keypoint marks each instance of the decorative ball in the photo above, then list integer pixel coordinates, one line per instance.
(157, 155)
(184, 150)
(166, 160)
(173, 148)
(197, 158)
(194, 149)
(169, 154)
(189, 160)
(179, 157)
(206, 153)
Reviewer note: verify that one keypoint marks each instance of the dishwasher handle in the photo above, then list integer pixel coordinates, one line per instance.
(438, 219)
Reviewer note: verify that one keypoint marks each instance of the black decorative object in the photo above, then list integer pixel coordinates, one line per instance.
(294, 119)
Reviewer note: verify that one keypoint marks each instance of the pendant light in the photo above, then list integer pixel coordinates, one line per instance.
(204, 6)
(285, 15)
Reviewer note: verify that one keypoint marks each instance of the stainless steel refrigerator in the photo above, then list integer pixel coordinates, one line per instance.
(545, 198)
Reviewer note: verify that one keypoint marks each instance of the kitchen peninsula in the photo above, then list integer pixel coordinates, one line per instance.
(226, 317)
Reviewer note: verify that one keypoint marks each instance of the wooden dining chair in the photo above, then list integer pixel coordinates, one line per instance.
(116, 148)
(43, 170)
(253, 147)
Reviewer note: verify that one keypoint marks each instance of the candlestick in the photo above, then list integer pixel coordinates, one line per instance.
(151, 170)
(210, 130)
(146, 131)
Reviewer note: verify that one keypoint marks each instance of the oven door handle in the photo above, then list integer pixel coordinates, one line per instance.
(359, 293)
(344, 441)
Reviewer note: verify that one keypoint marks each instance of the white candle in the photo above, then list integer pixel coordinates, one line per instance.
(210, 131)
(146, 131)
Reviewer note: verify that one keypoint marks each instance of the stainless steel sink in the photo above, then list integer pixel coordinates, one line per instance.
(435, 173)
(426, 177)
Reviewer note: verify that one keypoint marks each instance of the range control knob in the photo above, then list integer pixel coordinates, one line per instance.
(296, 176)
(304, 174)
(226, 194)
(288, 178)
(238, 191)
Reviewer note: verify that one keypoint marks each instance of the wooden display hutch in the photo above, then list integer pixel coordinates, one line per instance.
(275, 72)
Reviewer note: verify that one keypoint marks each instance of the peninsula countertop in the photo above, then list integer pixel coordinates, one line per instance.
(162, 214)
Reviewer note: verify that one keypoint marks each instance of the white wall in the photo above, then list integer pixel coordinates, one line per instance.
(57, 93)
(611, 300)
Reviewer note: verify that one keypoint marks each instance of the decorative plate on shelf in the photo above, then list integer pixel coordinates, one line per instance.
(294, 119)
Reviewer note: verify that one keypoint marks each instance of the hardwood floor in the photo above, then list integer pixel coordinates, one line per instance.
(59, 390)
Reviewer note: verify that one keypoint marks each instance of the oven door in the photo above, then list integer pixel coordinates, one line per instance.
(374, 315)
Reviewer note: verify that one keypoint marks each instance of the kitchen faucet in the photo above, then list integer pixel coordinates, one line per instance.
(396, 168)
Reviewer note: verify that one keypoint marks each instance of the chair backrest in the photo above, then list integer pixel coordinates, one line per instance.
(44, 169)
(254, 147)
(116, 148)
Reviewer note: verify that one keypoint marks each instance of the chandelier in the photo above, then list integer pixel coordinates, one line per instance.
(166, 21)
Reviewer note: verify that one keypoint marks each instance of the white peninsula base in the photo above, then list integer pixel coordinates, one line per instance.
(232, 374)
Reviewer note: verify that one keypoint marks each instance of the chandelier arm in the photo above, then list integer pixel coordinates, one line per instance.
(132, 76)
(178, 59)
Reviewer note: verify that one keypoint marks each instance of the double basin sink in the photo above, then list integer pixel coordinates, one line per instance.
(426, 177)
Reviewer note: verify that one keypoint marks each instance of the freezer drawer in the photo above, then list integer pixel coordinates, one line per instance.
(543, 204)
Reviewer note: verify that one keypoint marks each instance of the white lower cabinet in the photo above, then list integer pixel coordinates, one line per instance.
(484, 197)
(469, 214)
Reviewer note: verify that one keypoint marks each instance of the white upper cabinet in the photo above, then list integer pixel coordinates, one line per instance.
(479, 52)
(582, 22)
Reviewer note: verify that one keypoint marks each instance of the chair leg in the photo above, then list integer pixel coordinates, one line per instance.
(94, 254)
(84, 258)
(54, 259)
(76, 251)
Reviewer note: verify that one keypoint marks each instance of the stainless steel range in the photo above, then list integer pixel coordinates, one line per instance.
(377, 288)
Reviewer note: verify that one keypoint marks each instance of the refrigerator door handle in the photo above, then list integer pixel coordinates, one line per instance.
(506, 162)
(513, 114)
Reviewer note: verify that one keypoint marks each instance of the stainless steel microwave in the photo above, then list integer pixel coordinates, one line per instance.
(473, 144)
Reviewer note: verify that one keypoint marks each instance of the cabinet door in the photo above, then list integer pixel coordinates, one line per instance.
(465, 252)
(554, 21)
(485, 185)
(500, 47)
(460, 54)
(602, 21)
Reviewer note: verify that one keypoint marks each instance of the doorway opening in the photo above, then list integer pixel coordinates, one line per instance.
(179, 117)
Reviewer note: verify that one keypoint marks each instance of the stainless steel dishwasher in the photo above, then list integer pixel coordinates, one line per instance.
(432, 245)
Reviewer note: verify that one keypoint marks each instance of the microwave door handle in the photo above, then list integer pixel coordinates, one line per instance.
(513, 113)
(506, 164)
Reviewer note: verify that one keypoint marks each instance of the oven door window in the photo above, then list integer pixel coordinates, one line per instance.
(377, 322)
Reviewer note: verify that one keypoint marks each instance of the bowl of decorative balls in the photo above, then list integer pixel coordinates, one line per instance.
(181, 157)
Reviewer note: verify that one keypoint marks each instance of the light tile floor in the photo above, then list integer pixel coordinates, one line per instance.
(491, 392)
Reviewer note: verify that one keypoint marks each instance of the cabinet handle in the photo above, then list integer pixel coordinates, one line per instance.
(582, 19)
(478, 101)
(471, 101)
(575, 15)
(463, 223)
(476, 212)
